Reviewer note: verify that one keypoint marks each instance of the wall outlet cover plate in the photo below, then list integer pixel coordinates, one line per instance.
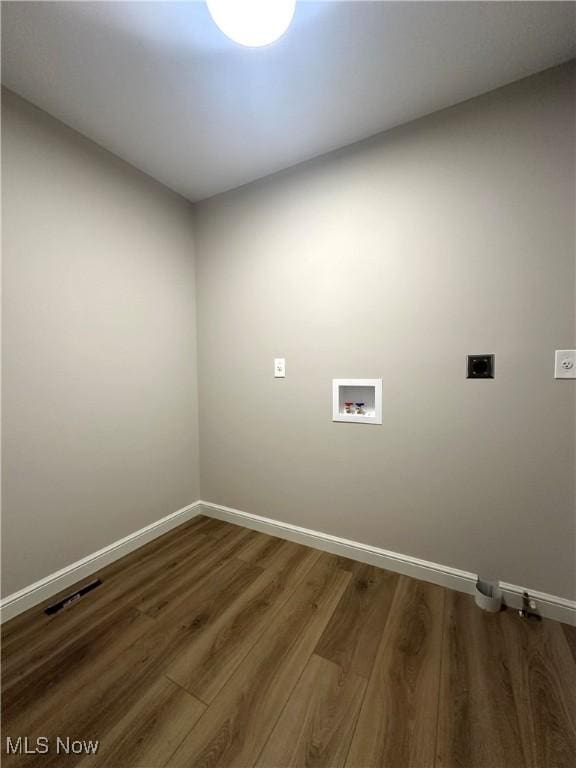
(565, 364)
(480, 366)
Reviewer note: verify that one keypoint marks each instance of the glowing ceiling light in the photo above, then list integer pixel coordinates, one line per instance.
(252, 22)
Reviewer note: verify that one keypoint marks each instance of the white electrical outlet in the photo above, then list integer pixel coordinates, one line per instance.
(565, 364)
(279, 367)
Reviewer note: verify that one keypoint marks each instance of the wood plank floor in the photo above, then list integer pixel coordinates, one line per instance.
(219, 646)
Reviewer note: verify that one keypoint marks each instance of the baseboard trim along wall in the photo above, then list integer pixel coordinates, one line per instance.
(550, 606)
(66, 577)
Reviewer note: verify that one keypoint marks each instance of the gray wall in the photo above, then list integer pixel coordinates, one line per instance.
(396, 258)
(392, 258)
(100, 393)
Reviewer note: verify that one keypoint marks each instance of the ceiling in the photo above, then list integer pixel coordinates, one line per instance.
(158, 84)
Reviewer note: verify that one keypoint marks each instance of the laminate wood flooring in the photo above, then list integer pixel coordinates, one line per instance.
(219, 646)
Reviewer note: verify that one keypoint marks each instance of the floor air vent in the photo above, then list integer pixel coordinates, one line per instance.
(70, 599)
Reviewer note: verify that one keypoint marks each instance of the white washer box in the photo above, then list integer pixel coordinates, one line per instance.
(367, 391)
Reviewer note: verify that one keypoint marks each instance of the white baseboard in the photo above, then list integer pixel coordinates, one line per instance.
(41, 590)
(550, 606)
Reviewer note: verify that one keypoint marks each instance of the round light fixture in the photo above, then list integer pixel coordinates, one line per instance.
(252, 22)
